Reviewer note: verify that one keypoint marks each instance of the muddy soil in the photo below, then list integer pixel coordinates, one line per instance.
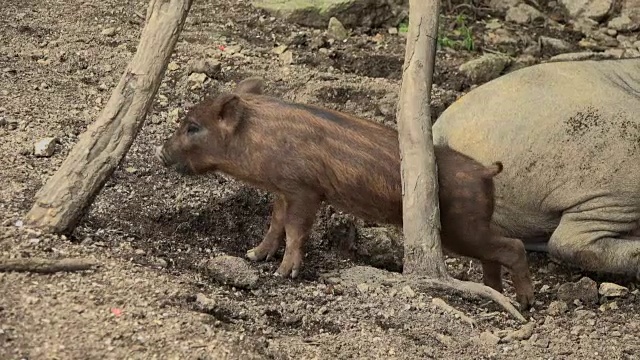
(151, 228)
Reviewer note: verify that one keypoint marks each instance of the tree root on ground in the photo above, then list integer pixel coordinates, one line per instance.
(45, 266)
(468, 289)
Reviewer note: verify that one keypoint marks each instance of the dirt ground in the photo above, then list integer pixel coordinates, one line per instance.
(150, 228)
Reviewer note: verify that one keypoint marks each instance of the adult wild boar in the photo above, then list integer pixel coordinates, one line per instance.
(569, 136)
(307, 155)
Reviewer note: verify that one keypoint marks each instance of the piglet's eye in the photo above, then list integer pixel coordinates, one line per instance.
(192, 128)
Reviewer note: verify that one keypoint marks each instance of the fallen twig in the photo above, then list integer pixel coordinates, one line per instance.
(468, 288)
(45, 266)
(448, 308)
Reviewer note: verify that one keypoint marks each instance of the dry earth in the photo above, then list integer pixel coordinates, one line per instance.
(150, 229)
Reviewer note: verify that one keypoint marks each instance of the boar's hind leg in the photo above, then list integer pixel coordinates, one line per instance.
(492, 275)
(588, 241)
(273, 239)
(300, 215)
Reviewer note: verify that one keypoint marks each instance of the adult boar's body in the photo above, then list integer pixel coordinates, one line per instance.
(568, 134)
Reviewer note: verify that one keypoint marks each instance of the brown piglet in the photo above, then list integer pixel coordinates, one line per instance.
(307, 155)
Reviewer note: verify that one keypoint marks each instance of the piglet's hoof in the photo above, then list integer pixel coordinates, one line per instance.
(290, 265)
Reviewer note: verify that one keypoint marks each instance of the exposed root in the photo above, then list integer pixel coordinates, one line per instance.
(468, 288)
(448, 308)
(45, 266)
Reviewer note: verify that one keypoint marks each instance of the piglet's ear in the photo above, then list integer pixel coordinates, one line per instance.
(252, 85)
(230, 112)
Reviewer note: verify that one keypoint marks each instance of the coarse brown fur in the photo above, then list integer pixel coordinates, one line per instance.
(308, 155)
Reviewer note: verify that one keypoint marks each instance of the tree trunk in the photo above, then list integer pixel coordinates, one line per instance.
(61, 202)
(420, 206)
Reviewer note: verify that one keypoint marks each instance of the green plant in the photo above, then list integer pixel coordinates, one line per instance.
(461, 37)
(403, 27)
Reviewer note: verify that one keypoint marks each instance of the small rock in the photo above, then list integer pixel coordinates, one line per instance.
(612, 290)
(585, 290)
(110, 31)
(523, 14)
(592, 9)
(45, 147)
(139, 252)
(637, 44)
(204, 303)
(197, 79)
(210, 67)
(523, 333)
(615, 53)
(160, 262)
(554, 46)
(408, 291)
(631, 8)
(174, 115)
(393, 31)
(287, 57)
(504, 5)
(557, 307)
(233, 271)
(233, 49)
(485, 68)
(363, 288)
(542, 343)
(173, 66)
(336, 29)
(488, 339)
(278, 50)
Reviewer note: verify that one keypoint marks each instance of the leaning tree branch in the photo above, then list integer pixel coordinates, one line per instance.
(61, 202)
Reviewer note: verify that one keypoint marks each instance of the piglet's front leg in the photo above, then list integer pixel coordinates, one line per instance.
(273, 239)
(300, 215)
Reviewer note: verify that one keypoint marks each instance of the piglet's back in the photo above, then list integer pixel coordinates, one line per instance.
(353, 163)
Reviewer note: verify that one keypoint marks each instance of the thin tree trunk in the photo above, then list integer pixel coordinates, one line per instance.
(62, 201)
(421, 209)
(423, 257)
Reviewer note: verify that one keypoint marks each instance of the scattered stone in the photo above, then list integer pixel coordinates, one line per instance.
(586, 26)
(159, 262)
(174, 115)
(232, 271)
(204, 303)
(363, 288)
(612, 290)
(488, 339)
(210, 67)
(504, 5)
(287, 57)
(393, 31)
(408, 291)
(278, 50)
(620, 23)
(631, 8)
(485, 68)
(557, 307)
(542, 343)
(233, 49)
(45, 147)
(523, 333)
(554, 46)
(173, 66)
(337, 30)
(592, 9)
(316, 13)
(585, 290)
(615, 53)
(197, 79)
(110, 31)
(523, 14)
